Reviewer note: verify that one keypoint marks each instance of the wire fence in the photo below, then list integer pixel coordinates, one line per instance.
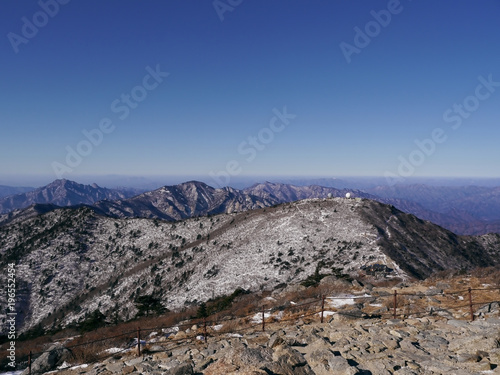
(397, 306)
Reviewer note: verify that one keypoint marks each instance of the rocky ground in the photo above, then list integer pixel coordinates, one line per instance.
(342, 346)
(432, 335)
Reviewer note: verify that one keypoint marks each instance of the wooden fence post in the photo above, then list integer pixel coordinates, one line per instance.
(470, 305)
(322, 307)
(138, 342)
(205, 328)
(395, 302)
(263, 320)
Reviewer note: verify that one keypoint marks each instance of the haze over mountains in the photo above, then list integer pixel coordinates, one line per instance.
(63, 193)
(464, 210)
(5, 191)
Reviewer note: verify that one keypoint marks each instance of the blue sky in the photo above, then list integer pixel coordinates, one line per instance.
(231, 70)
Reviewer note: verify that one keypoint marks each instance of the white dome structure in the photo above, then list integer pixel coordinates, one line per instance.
(348, 195)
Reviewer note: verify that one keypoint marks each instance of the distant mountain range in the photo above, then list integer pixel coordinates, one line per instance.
(63, 193)
(195, 198)
(183, 201)
(463, 210)
(5, 191)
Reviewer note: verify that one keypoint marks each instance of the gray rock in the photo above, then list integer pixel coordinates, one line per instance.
(252, 357)
(340, 365)
(377, 367)
(319, 357)
(156, 349)
(294, 288)
(489, 308)
(181, 369)
(484, 365)
(466, 357)
(50, 360)
(493, 321)
(443, 286)
(458, 323)
(134, 361)
(348, 315)
(114, 367)
(180, 351)
(433, 291)
(404, 371)
(202, 365)
(444, 313)
(382, 293)
(436, 366)
(434, 344)
(288, 361)
(275, 340)
(473, 343)
(381, 311)
(145, 368)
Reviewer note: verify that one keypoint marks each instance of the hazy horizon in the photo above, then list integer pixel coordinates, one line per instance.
(398, 89)
(154, 182)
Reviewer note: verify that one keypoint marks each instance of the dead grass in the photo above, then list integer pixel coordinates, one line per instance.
(231, 326)
(386, 283)
(23, 348)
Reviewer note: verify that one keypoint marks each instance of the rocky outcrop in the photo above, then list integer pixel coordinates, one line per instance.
(410, 347)
(55, 356)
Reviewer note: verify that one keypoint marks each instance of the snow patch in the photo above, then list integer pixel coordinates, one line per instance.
(344, 300)
(113, 350)
(257, 318)
(327, 313)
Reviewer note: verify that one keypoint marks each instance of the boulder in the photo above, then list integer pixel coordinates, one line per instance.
(49, 360)
(182, 369)
(294, 288)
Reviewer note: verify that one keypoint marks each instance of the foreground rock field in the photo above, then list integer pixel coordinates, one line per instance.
(341, 346)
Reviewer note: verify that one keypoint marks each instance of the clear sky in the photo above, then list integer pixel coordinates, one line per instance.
(322, 88)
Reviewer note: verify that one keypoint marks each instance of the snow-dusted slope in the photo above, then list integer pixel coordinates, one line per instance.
(183, 201)
(73, 261)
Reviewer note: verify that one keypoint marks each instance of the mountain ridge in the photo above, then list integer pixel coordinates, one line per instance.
(72, 261)
(194, 198)
(62, 193)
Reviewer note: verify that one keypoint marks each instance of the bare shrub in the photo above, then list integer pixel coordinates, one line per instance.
(89, 353)
(401, 301)
(231, 326)
(387, 283)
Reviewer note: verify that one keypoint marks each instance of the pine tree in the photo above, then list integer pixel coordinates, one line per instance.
(202, 311)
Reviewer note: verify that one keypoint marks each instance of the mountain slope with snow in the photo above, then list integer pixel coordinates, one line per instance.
(183, 201)
(70, 262)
